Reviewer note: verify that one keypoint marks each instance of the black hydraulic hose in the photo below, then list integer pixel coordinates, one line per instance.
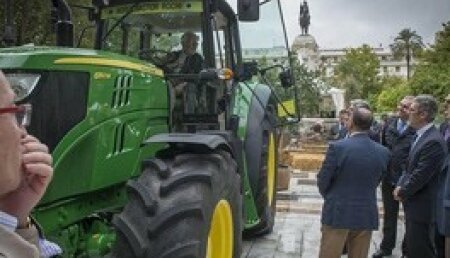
(277, 98)
(291, 64)
(119, 21)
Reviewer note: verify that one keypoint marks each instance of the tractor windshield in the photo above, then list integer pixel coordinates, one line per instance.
(156, 27)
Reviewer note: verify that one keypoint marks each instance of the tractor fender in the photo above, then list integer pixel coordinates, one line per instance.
(257, 122)
(197, 141)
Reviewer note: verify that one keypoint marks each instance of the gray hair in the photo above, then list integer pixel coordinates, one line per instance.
(409, 97)
(189, 35)
(358, 103)
(427, 104)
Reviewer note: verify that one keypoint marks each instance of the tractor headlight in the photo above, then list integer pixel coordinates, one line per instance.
(22, 83)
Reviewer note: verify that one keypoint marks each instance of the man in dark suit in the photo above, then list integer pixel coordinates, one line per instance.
(339, 131)
(445, 126)
(443, 205)
(417, 188)
(348, 179)
(398, 137)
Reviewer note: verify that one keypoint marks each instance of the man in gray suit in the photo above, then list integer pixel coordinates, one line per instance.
(348, 180)
(417, 188)
(25, 172)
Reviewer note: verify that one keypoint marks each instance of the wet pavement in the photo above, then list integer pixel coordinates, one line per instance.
(297, 226)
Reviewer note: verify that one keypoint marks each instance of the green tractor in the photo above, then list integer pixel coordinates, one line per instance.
(127, 182)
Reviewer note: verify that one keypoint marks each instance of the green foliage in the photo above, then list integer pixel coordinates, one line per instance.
(432, 75)
(394, 89)
(32, 20)
(33, 25)
(309, 90)
(407, 44)
(306, 83)
(357, 73)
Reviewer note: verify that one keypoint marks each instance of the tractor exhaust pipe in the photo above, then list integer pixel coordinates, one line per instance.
(9, 35)
(62, 16)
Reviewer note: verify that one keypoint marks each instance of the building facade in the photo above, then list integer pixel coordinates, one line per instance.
(389, 66)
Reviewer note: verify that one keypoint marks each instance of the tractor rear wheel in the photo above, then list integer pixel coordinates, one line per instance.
(186, 206)
(265, 198)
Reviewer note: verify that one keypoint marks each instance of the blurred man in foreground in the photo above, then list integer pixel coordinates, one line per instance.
(25, 172)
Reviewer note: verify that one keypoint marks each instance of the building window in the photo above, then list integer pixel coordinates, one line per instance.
(385, 69)
(383, 58)
(397, 69)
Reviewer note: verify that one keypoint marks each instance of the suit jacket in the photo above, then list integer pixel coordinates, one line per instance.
(348, 180)
(399, 144)
(375, 131)
(442, 128)
(19, 244)
(338, 133)
(443, 201)
(419, 183)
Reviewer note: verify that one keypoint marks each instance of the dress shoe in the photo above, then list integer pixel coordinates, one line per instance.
(380, 254)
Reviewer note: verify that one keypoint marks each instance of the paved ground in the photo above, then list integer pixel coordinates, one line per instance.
(297, 227)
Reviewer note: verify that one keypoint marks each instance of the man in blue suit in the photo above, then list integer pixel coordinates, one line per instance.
(442, 240)
(348, 180)
(417, 188)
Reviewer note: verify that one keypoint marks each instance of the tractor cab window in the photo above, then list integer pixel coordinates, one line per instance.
(149, 30)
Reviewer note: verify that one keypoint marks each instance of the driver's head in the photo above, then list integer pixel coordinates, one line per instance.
(189, 42)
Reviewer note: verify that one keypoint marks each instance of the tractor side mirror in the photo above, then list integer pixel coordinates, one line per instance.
(248, 70)
(248, 10)
(286, 78)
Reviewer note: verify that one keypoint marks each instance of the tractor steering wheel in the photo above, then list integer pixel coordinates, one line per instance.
(160, 58)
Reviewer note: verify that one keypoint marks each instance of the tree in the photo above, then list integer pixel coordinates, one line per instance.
(393, 90)
(357, 73)
(33, 24)
(407, 44)
(432, 75)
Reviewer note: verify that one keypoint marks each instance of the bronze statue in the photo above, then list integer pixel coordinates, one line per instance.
(304, 17)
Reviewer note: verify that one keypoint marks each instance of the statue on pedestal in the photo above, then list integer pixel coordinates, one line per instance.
(304, 17)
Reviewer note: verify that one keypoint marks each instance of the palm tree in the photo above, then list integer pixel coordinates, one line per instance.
(407, 44)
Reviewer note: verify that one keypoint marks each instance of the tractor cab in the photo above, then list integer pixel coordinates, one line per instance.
(196, 45)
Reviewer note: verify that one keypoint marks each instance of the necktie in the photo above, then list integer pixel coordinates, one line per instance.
(401, 126)
(414, 140)
(447, 133)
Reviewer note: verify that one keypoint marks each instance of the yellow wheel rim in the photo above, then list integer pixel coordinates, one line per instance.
(220, 238)
(271, 169)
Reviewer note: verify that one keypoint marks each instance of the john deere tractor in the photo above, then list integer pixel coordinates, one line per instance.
(127, 181)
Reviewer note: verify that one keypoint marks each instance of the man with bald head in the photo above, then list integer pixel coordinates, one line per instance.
(347, 181)
(25, 172)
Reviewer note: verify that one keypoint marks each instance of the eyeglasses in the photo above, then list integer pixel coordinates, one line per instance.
(22, 112)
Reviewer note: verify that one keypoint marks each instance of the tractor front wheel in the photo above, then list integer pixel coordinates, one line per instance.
(185, 206)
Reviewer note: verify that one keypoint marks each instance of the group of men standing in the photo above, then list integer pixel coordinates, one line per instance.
(412, 167)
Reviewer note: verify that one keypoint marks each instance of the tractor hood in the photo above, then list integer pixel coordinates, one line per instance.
(54, 58)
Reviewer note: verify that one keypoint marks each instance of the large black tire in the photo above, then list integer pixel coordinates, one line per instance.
(265, 198)
(172, 204)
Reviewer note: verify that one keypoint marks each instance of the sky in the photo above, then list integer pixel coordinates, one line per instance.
(348, 23)
(351, 23)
